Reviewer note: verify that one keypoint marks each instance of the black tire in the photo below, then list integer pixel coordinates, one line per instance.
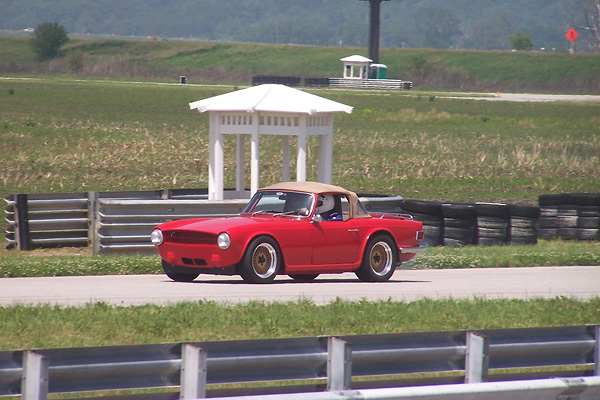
(546, 200)
(517, 210)
(495, 210)
(176, 274)
(303, 277)
(432, 208)
(379, 260)
(261, 262)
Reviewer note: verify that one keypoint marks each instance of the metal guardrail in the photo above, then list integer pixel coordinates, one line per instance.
(380, 360)
(550, 389)
(66, 219)
(123, 226)
(370, 83)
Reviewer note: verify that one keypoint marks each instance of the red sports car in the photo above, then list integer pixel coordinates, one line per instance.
(301, 229)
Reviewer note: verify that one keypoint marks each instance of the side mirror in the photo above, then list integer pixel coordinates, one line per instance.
(317, 218)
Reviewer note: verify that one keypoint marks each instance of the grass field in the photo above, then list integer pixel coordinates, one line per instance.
(79, 136)
(59, 134)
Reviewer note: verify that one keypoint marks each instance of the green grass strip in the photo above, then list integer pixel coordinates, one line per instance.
(79, 262)
(25, 327)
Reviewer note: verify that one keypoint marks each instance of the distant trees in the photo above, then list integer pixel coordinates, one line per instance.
(521, 41)
(591, 18)
(491, 33)
(47, 40)
(484, 25)
(440, 25)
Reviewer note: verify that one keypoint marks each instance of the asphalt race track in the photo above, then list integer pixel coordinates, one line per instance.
(406, 285)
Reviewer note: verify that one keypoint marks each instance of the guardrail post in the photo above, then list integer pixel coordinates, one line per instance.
(193, 372)
(95, 225)
(477, 359)
(34, 382)
(597, 352)
(22, 222)
(91, 215)
(339, 364)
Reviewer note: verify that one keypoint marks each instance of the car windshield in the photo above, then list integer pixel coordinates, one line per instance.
(280, 202)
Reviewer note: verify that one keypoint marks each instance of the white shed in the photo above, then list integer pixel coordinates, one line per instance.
(356, 67)
(267, 110)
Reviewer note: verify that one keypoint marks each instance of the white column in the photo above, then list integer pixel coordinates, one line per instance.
(219, 165)
(301, 158)
(213, 121)
(254, 158)
(285, 164)
(240, 171)
(326, 158)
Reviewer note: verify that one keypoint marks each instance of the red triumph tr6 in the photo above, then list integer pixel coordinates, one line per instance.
(301, 229)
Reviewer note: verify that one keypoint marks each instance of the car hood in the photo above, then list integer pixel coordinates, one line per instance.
(218, 225)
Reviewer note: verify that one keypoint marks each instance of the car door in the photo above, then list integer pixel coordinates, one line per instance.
(335, 242)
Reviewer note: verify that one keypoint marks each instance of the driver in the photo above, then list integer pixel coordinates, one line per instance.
(326, 207)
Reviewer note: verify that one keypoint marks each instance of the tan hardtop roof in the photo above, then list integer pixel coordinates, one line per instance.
(318, 188)
(312, 187)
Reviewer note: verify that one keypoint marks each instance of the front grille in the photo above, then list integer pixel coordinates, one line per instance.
(189, 237)
(194, 261)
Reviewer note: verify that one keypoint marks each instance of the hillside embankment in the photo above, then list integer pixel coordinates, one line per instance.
(205, 62)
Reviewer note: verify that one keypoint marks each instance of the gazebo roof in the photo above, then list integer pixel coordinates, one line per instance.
(356, 59)
(270, 98)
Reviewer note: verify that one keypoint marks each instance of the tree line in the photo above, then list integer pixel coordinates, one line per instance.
(459, 24)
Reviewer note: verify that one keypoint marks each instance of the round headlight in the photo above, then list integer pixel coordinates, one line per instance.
(223, 240)
(156, 237)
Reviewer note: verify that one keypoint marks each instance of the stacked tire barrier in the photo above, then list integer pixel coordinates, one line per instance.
(493, 223)
(460, 224)
(523, 226)
(430, 213)
(567, 216)
(570, 216)
(588, 216)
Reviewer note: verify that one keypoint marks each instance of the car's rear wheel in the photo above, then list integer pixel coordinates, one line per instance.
(176, 274)
(303, 277)
(379, 260)
(262, 261)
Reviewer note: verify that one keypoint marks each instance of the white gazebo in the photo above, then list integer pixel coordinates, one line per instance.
(267, 110)
(356, 67)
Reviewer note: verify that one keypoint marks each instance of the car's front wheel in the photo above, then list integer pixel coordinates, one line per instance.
(379, 260)
(176, 274)
(262, 261)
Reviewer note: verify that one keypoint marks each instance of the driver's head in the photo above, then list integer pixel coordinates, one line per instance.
(325, 203)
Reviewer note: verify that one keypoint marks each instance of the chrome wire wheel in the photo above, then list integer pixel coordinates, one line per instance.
(381, 258)
(264, 260)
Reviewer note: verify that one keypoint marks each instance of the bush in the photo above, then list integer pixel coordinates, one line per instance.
(47, 40)
(521, 41)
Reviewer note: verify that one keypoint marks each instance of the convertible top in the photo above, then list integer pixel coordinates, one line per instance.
(320, 188)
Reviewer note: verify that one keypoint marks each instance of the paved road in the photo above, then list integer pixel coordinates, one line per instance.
(521, 97)
(405, 285)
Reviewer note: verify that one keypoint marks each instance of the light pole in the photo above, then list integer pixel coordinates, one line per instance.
(375, 11)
